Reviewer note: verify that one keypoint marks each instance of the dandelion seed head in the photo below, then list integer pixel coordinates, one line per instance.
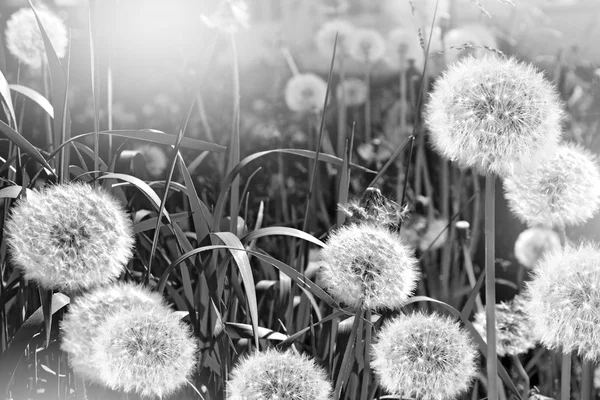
(276, 375)
(533, 243)
(514, 329)
(375, 208)
(366, 45)
(70, 237)
(564, 190)
(494, 114)
(305, 93)
(354, 92)
(325, 37)
(427, 357)
(403, 45)
(156, 159)
(24, 38)
(368, 265)
(563, 299)
(87, 314)
(149, 352)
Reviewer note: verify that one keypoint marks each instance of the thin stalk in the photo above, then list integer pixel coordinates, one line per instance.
(586, 380)
(47, 119)
(522, 373)
(565, 377)
(234, 154)
(490, 286)
(290, 61)
(368, 103)
(109, 106)
(342, 111)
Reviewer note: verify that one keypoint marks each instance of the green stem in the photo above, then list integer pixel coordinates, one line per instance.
(565, 377)
(490, 286)
(368, 103)
(522, 373)
(586, 380)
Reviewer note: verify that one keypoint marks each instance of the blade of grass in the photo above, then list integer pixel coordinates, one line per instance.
(490, 286)
(346, 365)
(234, 142)
(24, 145)
(34, 96)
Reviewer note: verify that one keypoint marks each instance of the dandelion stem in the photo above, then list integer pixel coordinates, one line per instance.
(490, 286)
(368, 103)
(565, 377)
(586, 381)
(522, 373)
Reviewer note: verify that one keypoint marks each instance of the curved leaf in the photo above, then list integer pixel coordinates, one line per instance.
(34, 96)
(283, 231)
(24, 145)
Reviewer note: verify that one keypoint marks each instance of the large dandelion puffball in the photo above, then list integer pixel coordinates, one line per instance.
(70, 237)
(366, 45)
(275, 375)
(564, 190)
(354, 92)
(325, 38)
(403, 47)
(514, 329)
(533, 243)
(149, 352)
(367, 265)
(90, 311)
(468, 40)
(426, 357)
(305, 93)
(494, 114)
(24, 38)
(564, 300)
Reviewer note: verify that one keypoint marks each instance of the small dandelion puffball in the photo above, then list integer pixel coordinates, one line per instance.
(275, 375)
(468, 40)
(354, 92)
(514, 329)
(156, 159)
(325, 38)
(305, 93)
(563, 190)
(24, 38)
(366, 45)
(375, 208)
(80, 325)
(564, 300)
(403, 46)
(494, 114)
(70, 237)
(533, 243)
(427, 357)
(368, 265)
(150, 352)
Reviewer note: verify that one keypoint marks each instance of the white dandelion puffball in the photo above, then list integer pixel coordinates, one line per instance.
(156, 159)
(24, 38)
(426, 357)
(147, 351)
(533, 243)
(275, 375)
(564, 300)
(305, 93)
(88, 312)
(494, 114)
(325, 37)
(514, 329)
(366, 45)
(403, 46)
(468, 40)
(564, 190)
(70, 237)
(354, 92)
(368, 265)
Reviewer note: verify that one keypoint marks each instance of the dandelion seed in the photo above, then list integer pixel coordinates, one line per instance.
(563, 190)
(514, 329)
(305, 93)
(275, 375)
(156, 159)
(403, 48)
(354, 92)
(366, 45)
(368, 265)
(533, 243)
(563, 300)
(493, 114)
(70, 237)
(325, 38)
(426, 357)
(375, 208)
(24, 38)
(147, 351)
(230, 16)
(90, 311)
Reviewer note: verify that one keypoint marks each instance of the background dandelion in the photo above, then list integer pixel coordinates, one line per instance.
(305, 93)
(70, 237)
(325, 37)
(533, 243)
(366, 45)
